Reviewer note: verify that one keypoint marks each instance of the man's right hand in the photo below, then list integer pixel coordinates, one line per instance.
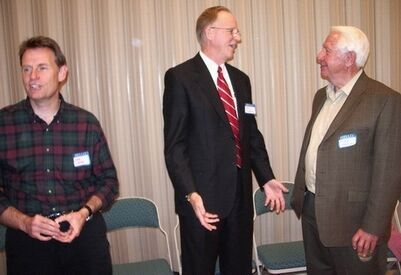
(41, 228)
(205, 218)
(38, 226)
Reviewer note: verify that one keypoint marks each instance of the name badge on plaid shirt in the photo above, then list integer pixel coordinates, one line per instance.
(81, 159)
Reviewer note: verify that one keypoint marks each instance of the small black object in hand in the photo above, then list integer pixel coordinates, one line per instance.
(64, 226)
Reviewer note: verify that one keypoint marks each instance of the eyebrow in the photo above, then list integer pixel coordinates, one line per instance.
(40, 64)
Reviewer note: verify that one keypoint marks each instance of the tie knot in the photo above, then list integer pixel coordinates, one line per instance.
(219, 70)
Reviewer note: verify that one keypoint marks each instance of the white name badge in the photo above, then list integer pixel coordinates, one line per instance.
(347, 140)
(250, 109)
(81, 159)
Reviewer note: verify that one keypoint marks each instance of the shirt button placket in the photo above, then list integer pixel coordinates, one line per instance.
(48, 164)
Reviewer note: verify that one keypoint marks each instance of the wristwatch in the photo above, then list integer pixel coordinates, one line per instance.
(89, 211)
(188, 196)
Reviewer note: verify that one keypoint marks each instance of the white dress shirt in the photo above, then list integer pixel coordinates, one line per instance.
(212, 67)
(334, 101)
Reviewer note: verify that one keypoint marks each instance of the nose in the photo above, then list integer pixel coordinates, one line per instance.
(237, 37)
(320, 56)
(34, 74)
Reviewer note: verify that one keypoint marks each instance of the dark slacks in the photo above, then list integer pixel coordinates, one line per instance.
(322, 260)
(231, 242)
(88, 254)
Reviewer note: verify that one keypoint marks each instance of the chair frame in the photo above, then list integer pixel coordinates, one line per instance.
(256, 214)
(159, 227)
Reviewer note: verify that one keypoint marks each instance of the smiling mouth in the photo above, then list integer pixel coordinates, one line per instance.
(34, 86)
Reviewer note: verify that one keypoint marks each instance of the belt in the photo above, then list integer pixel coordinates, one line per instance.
(55, 215)
(309, 193)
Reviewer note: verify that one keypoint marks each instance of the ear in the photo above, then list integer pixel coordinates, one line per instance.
(350, 59)
(62, 73)
(209, 33)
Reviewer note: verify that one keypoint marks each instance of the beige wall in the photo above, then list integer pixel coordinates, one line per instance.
(118, 51)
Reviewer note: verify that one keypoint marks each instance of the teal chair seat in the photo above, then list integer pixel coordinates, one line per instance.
(282, 256)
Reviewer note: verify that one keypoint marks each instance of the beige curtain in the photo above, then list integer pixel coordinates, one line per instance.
(119, 50)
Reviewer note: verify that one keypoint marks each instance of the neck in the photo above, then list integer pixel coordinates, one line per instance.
(345, 78)
(213, 56)
(46, 110)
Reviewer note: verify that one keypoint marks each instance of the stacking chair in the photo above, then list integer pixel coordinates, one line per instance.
(277, 258)
(138, 213)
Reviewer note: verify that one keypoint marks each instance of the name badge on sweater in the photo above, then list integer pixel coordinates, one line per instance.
(250, 109)
(81, 159)
(347, 140)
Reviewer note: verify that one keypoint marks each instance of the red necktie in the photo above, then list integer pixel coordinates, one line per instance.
(229, 107)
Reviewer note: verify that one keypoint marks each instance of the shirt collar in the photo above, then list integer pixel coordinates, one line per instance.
(346, 89)
(212, 66)
(29, 109)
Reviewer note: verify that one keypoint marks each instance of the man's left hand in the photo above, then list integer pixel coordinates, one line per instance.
(76, 220)
(274, 195)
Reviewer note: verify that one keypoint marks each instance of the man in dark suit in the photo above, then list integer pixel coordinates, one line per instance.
(349, 177)
(211, 145)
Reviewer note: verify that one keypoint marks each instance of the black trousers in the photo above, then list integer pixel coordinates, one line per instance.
(231, 242)
(322, 260)
(88, 254)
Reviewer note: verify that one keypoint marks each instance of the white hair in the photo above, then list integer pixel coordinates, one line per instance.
(352, 39)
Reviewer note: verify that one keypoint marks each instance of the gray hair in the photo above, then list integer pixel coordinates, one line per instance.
(352, 39)
(207, 17)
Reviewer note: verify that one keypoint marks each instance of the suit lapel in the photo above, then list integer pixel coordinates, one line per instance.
(349, 106)
(206, 83)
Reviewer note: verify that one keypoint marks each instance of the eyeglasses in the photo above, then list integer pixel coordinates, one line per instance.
(233, 31)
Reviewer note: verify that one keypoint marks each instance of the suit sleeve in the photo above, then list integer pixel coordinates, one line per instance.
(259, 157)
(386, 175)
(176, 116)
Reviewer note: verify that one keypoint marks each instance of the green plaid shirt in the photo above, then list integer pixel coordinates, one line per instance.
(53, 168)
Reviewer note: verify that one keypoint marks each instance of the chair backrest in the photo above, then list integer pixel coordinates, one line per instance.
(132, 212)
(135, 212)
(259, 199)
(2, 237)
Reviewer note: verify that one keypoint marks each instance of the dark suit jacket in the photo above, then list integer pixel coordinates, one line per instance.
(199, 144)
(356, 186)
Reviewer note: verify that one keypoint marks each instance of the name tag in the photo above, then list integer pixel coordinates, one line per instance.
(81, 159)
(347, 140)
(250, 109)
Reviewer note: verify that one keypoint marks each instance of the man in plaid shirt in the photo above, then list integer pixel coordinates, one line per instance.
(56, 174)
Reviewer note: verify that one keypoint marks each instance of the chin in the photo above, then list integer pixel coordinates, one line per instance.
(324, 75)
(230, 57)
